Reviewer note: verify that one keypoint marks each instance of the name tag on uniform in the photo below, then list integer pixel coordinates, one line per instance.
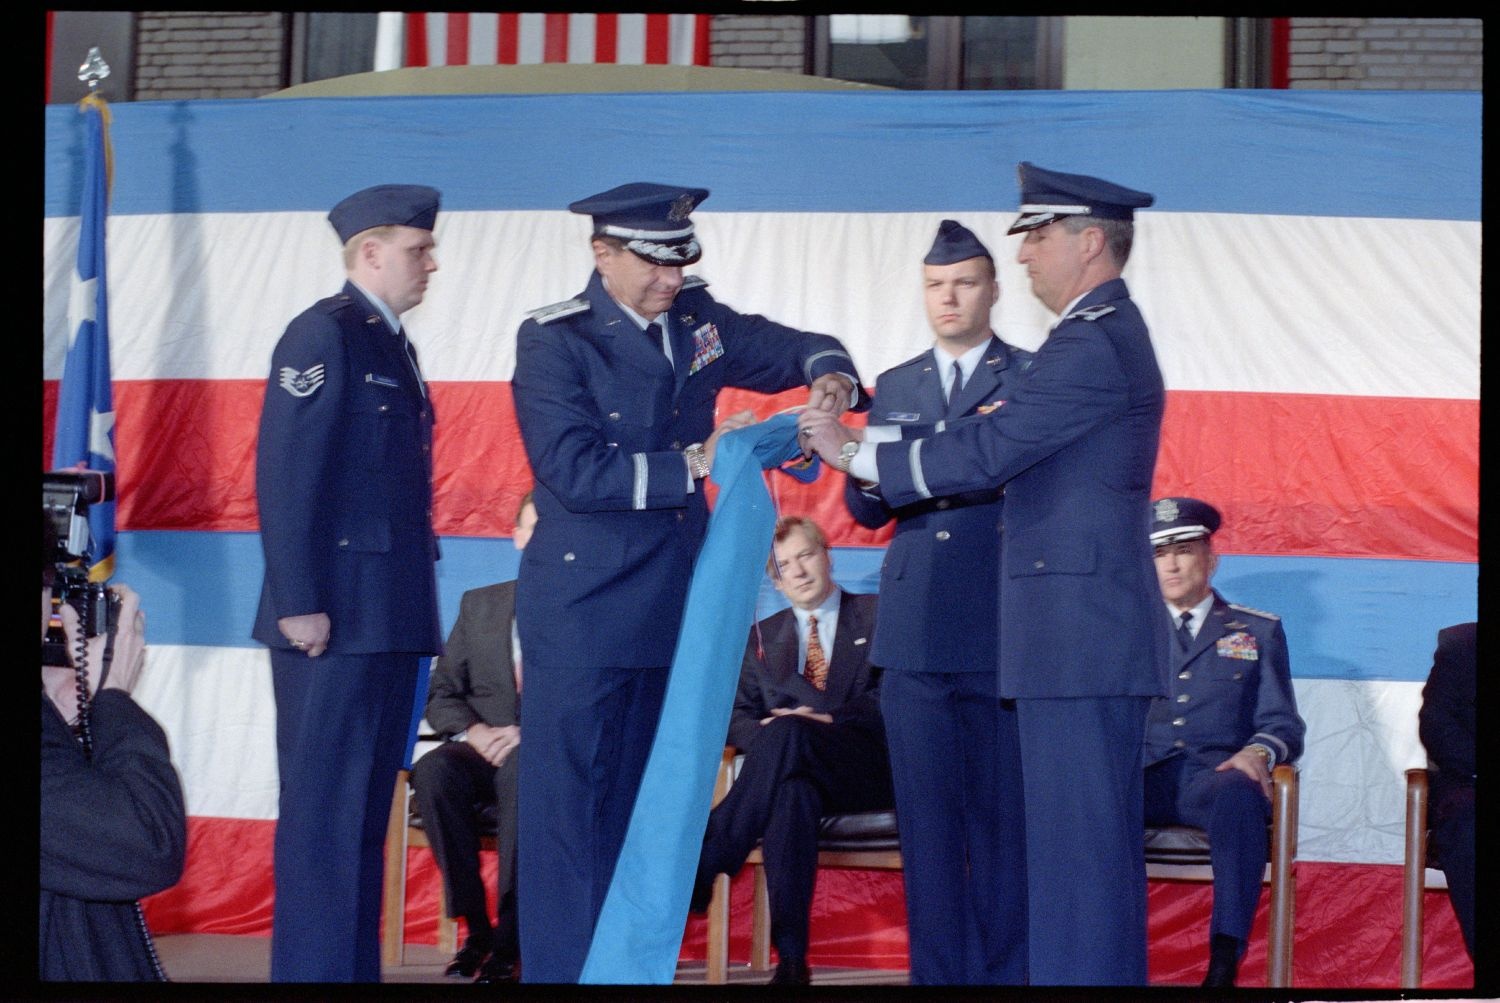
(384, 381)
(706, 347)
(903, 416)
(1240, 645)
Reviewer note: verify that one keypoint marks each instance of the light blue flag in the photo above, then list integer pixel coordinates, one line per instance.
(85, 426)
(639, 933)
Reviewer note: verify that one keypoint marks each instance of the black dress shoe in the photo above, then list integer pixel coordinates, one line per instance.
(1224, 953)
(791, 972)
(467, 961)
(498, 970)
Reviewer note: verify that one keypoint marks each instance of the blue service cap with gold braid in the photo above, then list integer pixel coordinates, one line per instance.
(385, 205)
(651, 219)
(954, 243)
(1047, 196)
(1175, 520)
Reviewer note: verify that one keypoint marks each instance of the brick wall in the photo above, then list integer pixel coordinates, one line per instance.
(1387, 53)
(209, 54)
(758, 42)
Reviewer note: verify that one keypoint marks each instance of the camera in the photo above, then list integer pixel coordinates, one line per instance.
(66, 497)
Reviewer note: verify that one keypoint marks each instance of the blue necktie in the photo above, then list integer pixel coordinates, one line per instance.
(1185, 631)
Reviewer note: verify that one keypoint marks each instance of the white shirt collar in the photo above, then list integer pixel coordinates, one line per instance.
(967, 363)
(1200, 614)
(828, 623)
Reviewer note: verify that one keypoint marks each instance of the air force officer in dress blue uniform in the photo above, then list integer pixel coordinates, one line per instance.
(343, 479)
(1230, 718)
(1080, 652)
(615, 394)
(955, 755)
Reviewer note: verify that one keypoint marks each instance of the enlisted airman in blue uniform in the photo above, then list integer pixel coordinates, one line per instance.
(1230, 718)
(615, 393)
(1075, 448)
(955, 755)
(343, 480)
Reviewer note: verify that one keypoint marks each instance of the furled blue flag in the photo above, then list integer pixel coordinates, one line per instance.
(639, 932)
(85, 427)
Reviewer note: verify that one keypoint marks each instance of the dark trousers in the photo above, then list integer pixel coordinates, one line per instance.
(1231, 808)
(1085, 839)
(956, 766)
(796, 771)
(588, 734)
(1453, 833)
(451, 785)
(341, 727)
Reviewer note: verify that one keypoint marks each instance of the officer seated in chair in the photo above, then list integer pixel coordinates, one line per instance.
(807, 718)
(1230, 719)
(473, 703)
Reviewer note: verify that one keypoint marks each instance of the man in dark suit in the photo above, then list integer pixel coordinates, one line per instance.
(473, 703)
(1228, 720)
(1446, 726)
(955, 756)
(615, 393)
(343, 479)
(807, 718)
(1080, 652)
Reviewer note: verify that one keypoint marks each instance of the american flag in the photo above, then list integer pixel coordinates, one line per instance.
(471, 38)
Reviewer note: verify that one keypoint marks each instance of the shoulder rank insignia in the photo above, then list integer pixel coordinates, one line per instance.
(1091, 312)
(556, 311)
(1253, 611)
(694, 282)
(1238, 645)
(302, 384)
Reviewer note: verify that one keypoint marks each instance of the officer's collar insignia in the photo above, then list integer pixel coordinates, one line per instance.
(681, 206)
(993, 360)
(374, 318)
(1166, 510)
(302, 384)
(687, 319)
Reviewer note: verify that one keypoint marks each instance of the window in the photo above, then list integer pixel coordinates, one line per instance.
(938, 53)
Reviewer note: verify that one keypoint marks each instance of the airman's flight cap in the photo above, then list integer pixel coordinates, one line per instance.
(954, 243)
(385, 205)
(1047, 196)
(651, 219)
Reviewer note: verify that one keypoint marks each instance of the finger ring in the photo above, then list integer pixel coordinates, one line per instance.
(807, 431)
(299, 644)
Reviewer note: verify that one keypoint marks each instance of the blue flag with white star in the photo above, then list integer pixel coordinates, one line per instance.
(85, 427)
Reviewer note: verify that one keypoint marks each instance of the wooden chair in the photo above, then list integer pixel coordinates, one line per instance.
(857, 840)
(1420, 872)
(405, 830)
(1180, 853)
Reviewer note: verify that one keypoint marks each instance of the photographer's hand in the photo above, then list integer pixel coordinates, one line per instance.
(129, 653)
(308, 632)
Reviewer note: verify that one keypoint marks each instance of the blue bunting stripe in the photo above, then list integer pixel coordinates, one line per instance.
(639, 933)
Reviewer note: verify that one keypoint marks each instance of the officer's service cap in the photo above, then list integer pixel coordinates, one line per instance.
(385, 205)
(954, 243)
(651, 219)
(1047, 196)
(1175, 520)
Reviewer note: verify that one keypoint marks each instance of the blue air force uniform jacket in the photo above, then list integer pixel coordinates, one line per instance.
(945, 550)
(604, 418)
(343, 478)
(1232, 687)
(1075, 448)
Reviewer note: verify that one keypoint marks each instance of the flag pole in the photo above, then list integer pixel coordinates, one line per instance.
(84, 433)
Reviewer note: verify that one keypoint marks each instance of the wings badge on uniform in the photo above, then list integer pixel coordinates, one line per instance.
(302, 384)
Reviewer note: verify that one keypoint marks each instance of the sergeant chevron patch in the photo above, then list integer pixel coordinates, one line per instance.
(302, 384)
